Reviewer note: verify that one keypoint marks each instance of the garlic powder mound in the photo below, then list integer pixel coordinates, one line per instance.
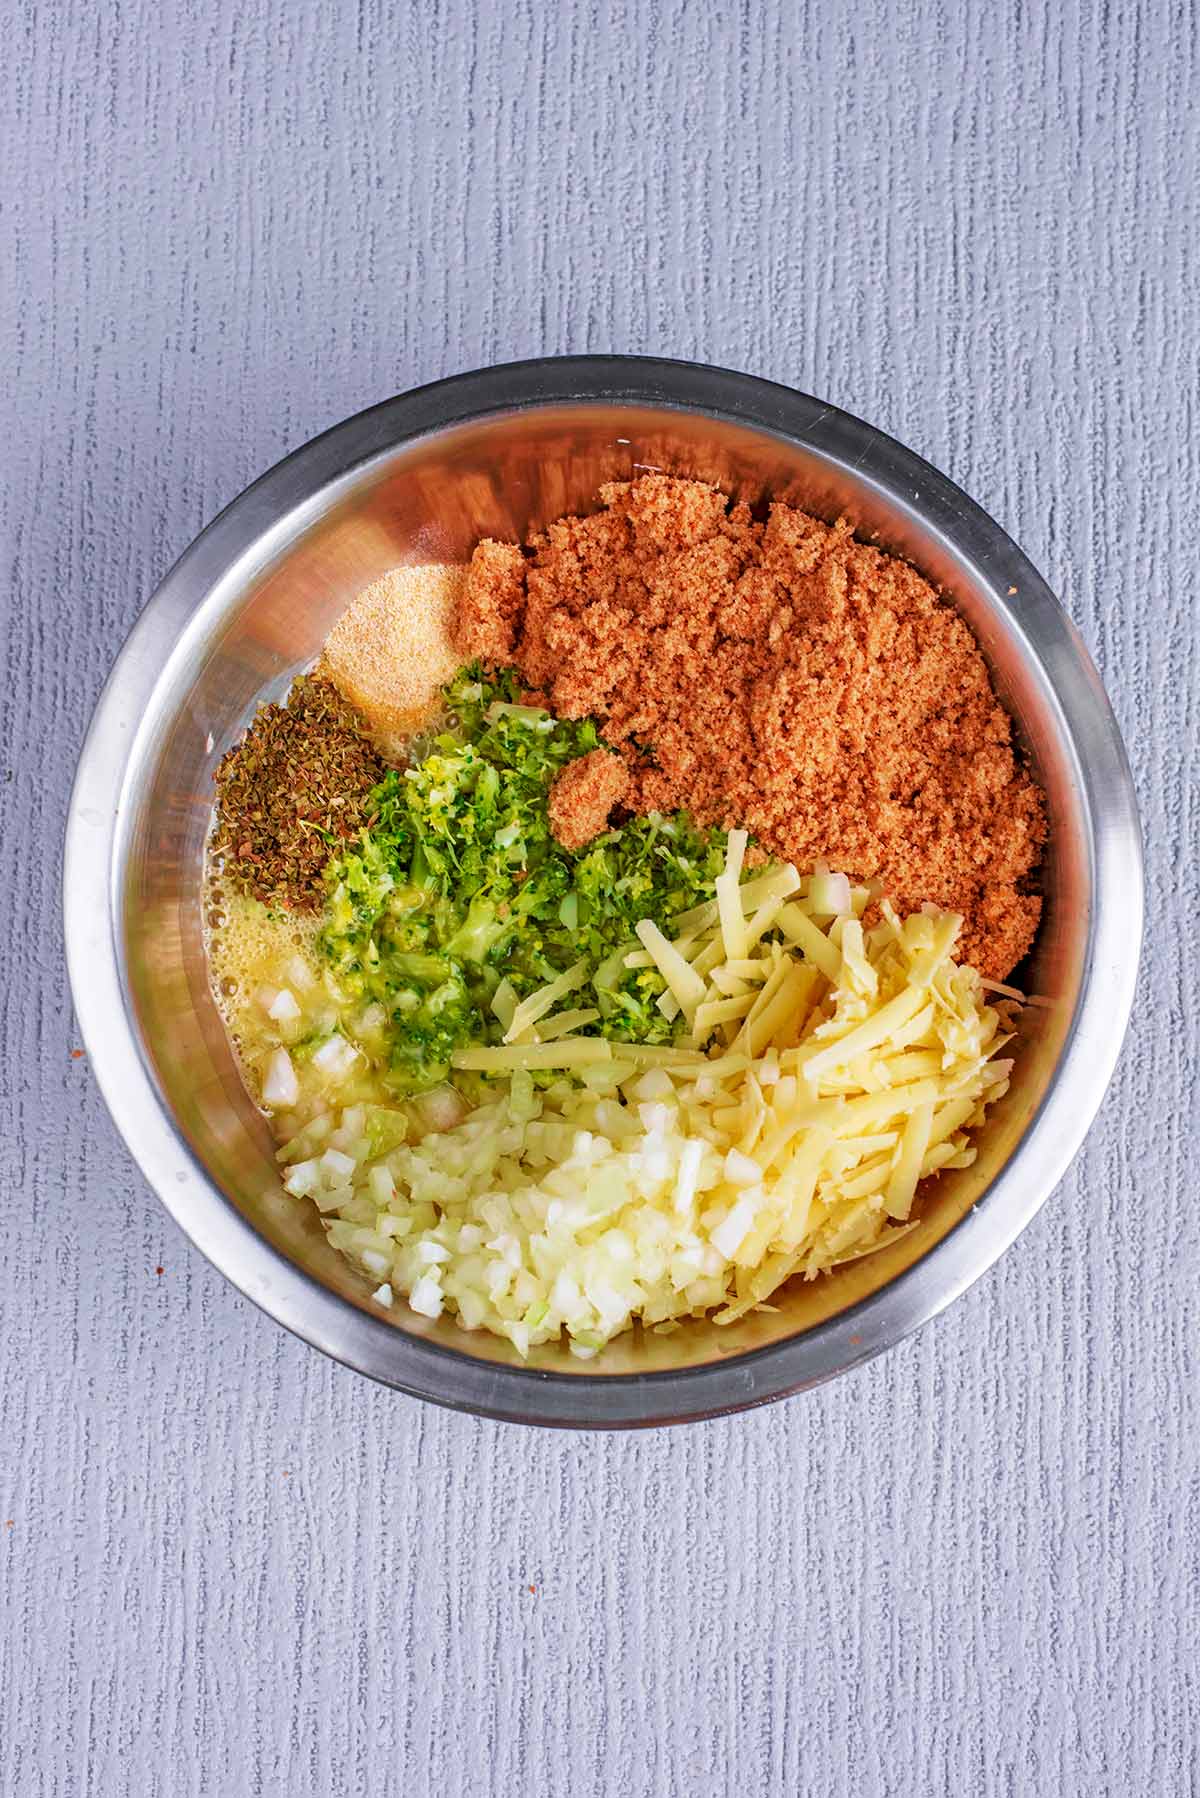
(391, 652)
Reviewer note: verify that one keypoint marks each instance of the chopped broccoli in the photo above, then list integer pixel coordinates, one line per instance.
(458, 883)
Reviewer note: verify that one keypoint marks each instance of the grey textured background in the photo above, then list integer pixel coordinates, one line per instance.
(229, 1567)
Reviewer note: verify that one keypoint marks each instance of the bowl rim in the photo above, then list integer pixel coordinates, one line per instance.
(268, 514)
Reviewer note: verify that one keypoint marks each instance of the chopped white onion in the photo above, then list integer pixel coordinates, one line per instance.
(655, 1083)
(426, 1297)
(687, 1178)
(337, 1167)
(442, 1108)
(280, 1086)
(381, 1185)
(303, 1178)
(656, 1119)
(335, 1056)
(299, 974)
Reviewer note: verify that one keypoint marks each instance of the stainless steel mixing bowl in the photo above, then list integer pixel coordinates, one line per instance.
(419, 479)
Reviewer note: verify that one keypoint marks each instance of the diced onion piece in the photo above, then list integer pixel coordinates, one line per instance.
(655, 1083)
(687, 1175)
(381, 1184)
(280, 1085)
(303, 1178)
(441, 1108)
(383, 1295)
(426, 1297)
(337, 1167)
(299, 974)
(306, 1141)
(335, 1056)
(284, 1008)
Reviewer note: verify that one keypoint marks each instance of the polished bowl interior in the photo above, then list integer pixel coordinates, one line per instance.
(421, 479)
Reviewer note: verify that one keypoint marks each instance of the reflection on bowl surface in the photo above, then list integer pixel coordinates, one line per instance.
(421, 479)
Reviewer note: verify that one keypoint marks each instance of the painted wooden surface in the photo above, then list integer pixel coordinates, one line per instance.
(227, 1566)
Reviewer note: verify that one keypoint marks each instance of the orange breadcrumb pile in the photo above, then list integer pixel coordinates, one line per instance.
(583, 796)
(490, 604)
(780, 676)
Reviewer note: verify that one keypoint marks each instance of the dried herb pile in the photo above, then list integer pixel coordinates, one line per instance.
(291, 793)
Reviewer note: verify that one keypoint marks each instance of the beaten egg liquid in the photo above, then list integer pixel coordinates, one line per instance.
(273, 991)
